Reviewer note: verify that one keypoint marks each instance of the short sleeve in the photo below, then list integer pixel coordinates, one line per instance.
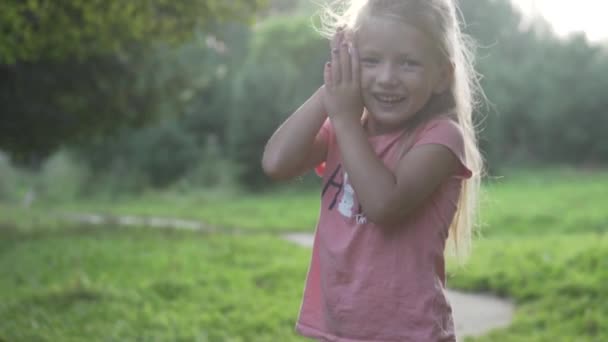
(447, 133)
(324, 134)
(326, 130)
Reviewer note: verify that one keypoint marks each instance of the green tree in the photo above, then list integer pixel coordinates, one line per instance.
(283, 68)
(63, 29)
(72, 71)
(545, 92)
(192, 87)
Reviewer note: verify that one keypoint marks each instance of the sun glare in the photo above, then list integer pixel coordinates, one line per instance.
(569, 16)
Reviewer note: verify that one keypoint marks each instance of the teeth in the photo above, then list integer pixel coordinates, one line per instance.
(389, 98)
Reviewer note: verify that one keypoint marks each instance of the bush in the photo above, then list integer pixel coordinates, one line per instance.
(284, 67)
(8, 190)
(213, 170)
(62, 177)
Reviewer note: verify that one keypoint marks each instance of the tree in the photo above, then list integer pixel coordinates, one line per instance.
(64, 29)
(72, 70)
(284, 67)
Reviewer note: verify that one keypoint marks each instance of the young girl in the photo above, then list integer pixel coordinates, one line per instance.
(392, 125)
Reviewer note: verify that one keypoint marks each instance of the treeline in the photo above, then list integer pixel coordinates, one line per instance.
(215, 99)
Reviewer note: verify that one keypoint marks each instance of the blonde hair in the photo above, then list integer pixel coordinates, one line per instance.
(439, 19)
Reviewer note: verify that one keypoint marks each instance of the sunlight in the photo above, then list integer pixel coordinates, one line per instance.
(567, 17)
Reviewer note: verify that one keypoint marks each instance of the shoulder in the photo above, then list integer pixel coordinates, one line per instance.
(444, 131)
(443, 125)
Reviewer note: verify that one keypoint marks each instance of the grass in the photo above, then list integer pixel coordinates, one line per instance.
(544, 245)
(275, 212)
(545, 202)
(530, 202)
(105, 284)
(557, 282)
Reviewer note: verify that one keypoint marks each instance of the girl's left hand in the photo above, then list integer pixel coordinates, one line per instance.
(342, 98)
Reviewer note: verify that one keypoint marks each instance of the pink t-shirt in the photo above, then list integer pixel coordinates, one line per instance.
(369, 284)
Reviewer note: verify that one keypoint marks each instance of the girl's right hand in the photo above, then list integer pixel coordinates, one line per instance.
(342, 94)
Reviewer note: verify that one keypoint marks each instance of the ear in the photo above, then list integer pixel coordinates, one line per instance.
(445, 77)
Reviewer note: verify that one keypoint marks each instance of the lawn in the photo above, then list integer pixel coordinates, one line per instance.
(107, 284)
(543, 244)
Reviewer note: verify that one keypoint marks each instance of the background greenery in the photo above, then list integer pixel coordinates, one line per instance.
(78, 282)
(162, 109)
(195, 104)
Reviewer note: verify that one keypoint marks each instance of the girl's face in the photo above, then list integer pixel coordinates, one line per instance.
(400, 71)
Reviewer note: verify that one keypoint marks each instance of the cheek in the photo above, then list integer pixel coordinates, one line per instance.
(366, 78)
(419, 82)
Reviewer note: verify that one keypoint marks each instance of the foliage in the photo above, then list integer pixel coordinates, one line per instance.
(68, 29)
(555, 280)
(283, 69)
(61, 178)
(191, 88)
(214, 170)
(235, 84)
(77, 71)
(540, 111)
(163, 151)
(169, 285)
(132, 285)
(581, 205)
(7, 181)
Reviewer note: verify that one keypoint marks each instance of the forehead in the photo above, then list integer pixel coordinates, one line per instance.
(391, 36)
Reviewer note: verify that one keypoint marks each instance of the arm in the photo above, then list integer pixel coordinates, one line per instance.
(296, 145)
(386, 197)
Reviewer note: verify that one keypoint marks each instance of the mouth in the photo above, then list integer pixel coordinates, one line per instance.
(388, 99)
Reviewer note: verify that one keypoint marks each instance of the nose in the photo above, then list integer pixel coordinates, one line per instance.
(387, 75)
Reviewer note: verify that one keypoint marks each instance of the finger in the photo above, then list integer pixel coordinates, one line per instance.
(327, 74)
(355, 64)
(345, 62)
(335, 59)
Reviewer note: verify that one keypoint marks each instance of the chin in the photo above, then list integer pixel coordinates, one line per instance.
(389, 121)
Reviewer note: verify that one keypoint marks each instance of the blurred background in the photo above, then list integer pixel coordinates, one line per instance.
(154, 114)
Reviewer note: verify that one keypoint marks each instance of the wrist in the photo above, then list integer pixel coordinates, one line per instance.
(318, 97)
(345, 122)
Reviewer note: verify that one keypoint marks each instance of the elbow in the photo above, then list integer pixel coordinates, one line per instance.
(382, 219)
(388, 216)
(272, 167)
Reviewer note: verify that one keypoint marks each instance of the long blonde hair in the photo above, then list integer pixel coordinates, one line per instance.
(439, 19)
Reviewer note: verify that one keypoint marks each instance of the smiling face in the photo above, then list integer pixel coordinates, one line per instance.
(400, 71)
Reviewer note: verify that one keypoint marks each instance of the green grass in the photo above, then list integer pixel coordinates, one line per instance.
(284, 211)
(544, 245)
(539, 202)
(106, 284)
(545, 202)
(558, 283)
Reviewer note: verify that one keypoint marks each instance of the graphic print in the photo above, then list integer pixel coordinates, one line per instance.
(347, 203)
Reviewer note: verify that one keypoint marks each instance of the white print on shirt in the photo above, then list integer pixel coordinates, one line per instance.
(347, 202)
(346, 205)
(361, 219)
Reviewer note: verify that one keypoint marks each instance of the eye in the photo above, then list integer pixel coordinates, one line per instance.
(408, 62)
(369, 60)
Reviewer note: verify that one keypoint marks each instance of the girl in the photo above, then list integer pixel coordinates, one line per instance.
(393, 126)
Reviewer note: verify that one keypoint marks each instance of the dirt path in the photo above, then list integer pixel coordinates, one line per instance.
(474, 314)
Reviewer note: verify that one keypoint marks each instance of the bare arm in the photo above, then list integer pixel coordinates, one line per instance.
(388, 197)
(296, 147)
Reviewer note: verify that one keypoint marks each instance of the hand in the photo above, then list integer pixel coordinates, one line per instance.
(342, 97)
